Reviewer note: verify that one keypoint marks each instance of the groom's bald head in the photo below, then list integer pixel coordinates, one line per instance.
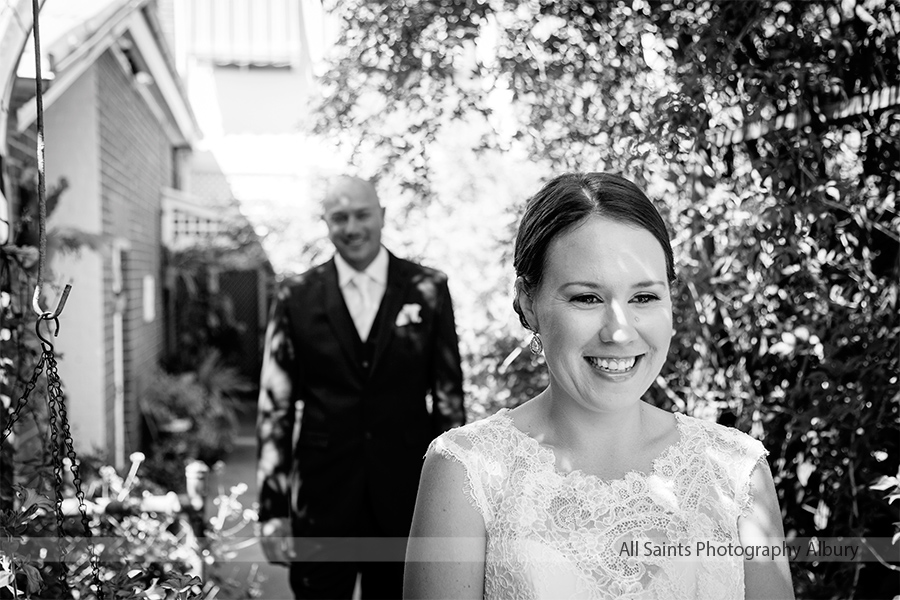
(344, 186)
(354, 216)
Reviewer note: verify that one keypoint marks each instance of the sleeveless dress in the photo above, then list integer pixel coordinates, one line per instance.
(668, 534)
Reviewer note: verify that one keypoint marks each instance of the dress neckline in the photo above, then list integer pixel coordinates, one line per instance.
(549, 456)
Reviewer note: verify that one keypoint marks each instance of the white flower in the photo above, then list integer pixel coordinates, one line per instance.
(410, 313)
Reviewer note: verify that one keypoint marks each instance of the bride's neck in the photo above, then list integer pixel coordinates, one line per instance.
(608, 431)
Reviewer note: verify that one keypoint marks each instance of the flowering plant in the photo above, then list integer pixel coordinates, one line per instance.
(150, 544)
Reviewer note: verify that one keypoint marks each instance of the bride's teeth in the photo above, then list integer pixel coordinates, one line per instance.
(614, 364)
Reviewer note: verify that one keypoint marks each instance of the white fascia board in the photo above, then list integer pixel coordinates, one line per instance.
(150, 52)
(15, 26)
(163, 77)
(88, 55)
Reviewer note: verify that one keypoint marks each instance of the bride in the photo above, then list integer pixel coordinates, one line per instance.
(586, 491)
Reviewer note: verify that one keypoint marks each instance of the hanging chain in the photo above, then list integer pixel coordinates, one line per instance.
(60, 432)
(60, 441)
(55, 394)
(57, 475)
(53, 405)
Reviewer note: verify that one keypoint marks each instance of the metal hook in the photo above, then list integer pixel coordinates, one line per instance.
(48, 345)
(45, 314)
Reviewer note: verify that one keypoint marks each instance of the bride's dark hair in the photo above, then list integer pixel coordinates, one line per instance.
(567, 200)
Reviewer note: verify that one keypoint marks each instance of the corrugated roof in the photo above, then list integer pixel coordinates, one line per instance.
(245, 32)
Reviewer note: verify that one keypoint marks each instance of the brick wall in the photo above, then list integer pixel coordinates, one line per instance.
(136, 162)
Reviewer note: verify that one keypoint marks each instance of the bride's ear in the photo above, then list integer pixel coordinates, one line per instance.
(525, 302)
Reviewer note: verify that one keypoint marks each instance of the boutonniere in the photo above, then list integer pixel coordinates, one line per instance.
(410, 313)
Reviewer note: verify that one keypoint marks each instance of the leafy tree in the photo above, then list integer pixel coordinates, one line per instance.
(741, 119)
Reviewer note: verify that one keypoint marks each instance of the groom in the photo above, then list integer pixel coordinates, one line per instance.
(353, 349)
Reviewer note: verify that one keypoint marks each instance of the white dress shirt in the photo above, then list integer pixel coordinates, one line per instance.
(363, 290)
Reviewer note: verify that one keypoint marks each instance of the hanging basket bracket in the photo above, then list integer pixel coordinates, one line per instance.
(44, 314)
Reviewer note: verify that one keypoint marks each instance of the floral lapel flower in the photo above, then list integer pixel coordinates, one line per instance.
(410, 313)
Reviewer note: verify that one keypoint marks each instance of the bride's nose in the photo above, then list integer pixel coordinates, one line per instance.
(617, 326)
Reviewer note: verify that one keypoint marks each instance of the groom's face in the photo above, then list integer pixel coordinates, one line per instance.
(355, 219)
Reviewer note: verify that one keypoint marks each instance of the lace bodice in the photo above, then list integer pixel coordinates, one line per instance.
(572, 535)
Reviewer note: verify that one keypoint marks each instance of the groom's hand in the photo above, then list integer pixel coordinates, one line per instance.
(277, 541)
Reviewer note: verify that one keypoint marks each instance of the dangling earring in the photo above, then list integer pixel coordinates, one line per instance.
(536, 345)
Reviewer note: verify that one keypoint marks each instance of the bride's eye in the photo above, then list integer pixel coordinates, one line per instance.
(645, 298)
(586, 299)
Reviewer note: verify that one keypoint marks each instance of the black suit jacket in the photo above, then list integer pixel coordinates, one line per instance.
(342, 423)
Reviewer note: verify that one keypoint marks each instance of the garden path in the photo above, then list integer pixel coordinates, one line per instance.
(240, 467)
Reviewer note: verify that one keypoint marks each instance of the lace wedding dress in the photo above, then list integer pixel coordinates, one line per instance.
(668, 534)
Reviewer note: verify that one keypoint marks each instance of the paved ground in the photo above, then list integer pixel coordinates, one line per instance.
(240, 467)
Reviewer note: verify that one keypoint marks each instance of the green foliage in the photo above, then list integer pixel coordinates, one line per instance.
(198, 381)
(149, 554)
(28, 447)
(782, 207)
(205, 401)
(200, 319)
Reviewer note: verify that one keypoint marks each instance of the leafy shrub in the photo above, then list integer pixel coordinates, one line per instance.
(205, 401)
(142, 553)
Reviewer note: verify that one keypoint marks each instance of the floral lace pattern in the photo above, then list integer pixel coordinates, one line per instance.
(572, 535)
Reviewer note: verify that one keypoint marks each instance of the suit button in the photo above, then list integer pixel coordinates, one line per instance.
(365, 364)
(368, 435)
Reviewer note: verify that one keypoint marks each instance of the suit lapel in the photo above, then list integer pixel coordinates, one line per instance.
(394, 293)
(339, 316)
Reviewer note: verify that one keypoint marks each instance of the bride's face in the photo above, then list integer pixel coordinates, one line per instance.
(604, 313)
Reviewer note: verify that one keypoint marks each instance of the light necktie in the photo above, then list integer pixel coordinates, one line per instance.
(362, 316)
